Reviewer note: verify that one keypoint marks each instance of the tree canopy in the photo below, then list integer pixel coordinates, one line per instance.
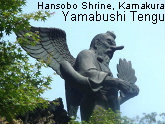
(21, 83)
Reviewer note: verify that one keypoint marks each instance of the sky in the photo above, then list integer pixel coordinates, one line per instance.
(144, 46)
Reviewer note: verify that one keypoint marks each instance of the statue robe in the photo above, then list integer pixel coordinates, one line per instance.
(88, 64)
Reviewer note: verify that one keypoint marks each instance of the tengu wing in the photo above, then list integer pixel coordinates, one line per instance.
(52, 47)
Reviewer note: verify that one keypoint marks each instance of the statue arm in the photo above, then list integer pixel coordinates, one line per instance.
(132, 92)
(117, 83)
(86, 65)
(127, 90)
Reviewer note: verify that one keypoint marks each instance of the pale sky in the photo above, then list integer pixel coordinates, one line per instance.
(144, 46)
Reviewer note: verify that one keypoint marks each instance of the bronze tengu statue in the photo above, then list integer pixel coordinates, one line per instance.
(89, 82)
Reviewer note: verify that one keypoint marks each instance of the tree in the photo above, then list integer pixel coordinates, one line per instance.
(13, 20)
(21, 83)
(101, 116)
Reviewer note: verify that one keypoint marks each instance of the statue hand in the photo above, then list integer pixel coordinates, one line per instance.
(123, 86)
(129, 90)
(124, 96)
(134, 91)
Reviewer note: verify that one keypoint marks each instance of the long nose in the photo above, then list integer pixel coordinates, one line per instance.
(114, 48)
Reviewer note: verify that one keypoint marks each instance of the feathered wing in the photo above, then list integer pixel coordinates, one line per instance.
(125, 71)
(52, 49)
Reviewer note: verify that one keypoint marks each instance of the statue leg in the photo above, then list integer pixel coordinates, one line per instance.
(87, 107)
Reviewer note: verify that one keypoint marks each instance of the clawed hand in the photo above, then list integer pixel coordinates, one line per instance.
(128, 89)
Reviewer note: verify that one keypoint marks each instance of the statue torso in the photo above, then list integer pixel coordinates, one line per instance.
(107, 95)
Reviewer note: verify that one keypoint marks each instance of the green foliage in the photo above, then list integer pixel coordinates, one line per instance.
(101, 116)
(21, 83)
(13, 20)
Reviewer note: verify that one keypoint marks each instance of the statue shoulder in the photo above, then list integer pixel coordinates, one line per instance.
(85, 57)
(86, 53)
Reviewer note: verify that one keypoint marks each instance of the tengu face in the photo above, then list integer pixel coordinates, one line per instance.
(106, 45)
(110, 43)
